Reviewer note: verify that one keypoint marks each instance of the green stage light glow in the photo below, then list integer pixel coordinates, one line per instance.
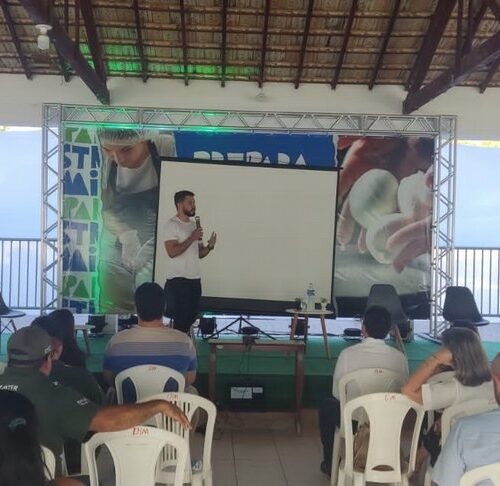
(134, 126)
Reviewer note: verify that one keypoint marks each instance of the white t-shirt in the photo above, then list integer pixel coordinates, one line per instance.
(137, 180)
(437, 395)
(144, 177)
(187, 264)
(370, 353)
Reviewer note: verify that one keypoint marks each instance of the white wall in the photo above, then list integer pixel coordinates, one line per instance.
(21, 99)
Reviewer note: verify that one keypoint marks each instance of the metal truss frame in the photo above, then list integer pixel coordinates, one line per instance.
(441, 128)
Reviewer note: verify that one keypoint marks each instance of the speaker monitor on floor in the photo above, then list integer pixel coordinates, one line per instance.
(208, 325)
(301, 327)
(98, 322)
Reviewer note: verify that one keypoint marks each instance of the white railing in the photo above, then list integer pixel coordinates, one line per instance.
(20, 272)
(479, 269)
(476, 268)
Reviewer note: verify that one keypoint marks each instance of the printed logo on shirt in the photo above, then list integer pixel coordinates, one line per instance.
(9, 387)
(83, 401)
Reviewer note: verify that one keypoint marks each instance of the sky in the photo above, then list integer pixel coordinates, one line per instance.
(477, 216)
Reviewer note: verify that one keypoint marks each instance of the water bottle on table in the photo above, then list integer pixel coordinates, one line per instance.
(310, 297)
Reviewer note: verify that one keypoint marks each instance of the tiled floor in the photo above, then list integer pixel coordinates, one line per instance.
(255, 449)
(263, 449)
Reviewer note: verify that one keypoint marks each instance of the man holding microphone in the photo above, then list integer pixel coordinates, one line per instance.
(183, 240)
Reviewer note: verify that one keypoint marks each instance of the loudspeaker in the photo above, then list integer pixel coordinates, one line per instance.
(208, 325)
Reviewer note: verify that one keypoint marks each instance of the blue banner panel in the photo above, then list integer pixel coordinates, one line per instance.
(315, 150)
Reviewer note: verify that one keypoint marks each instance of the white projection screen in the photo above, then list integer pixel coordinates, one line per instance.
(275, 230)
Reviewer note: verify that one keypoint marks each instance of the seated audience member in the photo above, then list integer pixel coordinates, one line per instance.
(463, 374)
(21, 460)
(74, 377)
(64, 321)
(462, 352)
(64, 413)
(151, 342)
(372, 352)
(473, 441)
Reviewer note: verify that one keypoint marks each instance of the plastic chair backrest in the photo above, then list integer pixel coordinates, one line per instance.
(188, 403)
(470, 407)
(136, 453)
(50, 463)
(385, 295)
(474, 476)
(148, 380)
(365, 381)
(386, 413)
(459, 304)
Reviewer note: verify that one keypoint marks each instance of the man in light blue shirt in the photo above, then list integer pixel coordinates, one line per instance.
(473, 442)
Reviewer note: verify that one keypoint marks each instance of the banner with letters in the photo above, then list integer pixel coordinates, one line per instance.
(110, 194)
(109, 216)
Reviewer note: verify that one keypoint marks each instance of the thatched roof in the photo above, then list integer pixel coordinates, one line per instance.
(368, 42)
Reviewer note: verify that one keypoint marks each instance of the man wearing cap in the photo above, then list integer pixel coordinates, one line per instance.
(64, 413)
(76, 377)
(130, 178)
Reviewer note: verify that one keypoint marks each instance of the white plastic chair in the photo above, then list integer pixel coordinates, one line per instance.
(386, 413)
(188, 403)
(148, 380)
(50, 463)
(474, 476)
(464, 409)
(136, 454)
(355, 384)
(455, 412)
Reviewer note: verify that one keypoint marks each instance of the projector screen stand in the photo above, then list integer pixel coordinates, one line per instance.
(240, 320)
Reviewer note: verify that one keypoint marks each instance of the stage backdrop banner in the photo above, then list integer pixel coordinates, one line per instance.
(384, 221)
(110, 200)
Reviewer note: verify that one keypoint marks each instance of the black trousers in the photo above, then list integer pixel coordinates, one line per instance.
(329, 418)
(183, 301)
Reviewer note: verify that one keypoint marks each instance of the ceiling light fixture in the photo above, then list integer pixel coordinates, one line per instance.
(43, 40)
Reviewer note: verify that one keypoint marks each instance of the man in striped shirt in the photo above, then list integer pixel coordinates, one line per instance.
(151, 342)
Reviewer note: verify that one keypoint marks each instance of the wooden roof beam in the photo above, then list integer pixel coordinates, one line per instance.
(347, 34)
(488, 52)
(305, 36)
(223, 46)
(474, 18)
(184, 42)
(65, 70)
(263, 50)
(380, 57)
(140, 45)
(66, 48)
(487, 80)
(459, 39)
(15, 39)
(93, 38)
(437, 26)
(495, 8)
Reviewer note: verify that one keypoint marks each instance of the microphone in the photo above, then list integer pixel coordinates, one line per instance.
(198, 224)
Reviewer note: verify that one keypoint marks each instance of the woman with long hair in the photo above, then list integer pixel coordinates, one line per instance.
(457, 372)
(64, 321)
(468, 376)
(21, 460)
